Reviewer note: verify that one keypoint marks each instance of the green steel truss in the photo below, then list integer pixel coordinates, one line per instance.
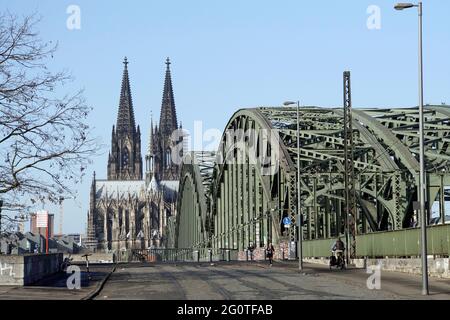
(242, 195)
(193, 225)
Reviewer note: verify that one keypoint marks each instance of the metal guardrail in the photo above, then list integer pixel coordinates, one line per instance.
(404, 243)
(317, 248)
(177, 255)
(215, 254)
(401, 243)
(163, 255)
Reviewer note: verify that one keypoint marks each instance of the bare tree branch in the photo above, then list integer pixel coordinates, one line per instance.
(45, 143)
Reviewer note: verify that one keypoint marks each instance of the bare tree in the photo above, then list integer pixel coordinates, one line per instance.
(44, 139)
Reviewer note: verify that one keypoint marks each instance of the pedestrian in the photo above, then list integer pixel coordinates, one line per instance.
(270, 250)
(250, 249)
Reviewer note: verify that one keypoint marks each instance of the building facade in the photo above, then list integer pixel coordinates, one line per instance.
(42, 231)
(130, 209)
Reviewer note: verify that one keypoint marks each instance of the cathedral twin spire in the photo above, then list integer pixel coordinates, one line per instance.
(125, 160)
(168, 121)
(159, 157)
(125, 116)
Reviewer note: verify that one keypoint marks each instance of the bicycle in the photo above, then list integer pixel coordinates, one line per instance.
(337, 259)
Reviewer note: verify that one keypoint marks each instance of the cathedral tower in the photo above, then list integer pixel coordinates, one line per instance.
(166, 140)
(125, 160)
(167, 125)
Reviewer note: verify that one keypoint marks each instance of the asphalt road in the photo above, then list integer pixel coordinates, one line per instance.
(228, 281)
(256, 281)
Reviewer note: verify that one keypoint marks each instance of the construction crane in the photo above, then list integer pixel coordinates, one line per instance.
(61, 210)
(61, 215)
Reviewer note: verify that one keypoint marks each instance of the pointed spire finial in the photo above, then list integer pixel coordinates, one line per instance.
(125, 117)
(168, 120)
(150, 139)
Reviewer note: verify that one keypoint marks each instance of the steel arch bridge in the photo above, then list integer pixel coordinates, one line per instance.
(194, 201)
(240, 195)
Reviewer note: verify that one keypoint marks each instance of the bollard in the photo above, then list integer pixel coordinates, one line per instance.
(210, 255)
(246, 255)
(87, 264)
(228, 256)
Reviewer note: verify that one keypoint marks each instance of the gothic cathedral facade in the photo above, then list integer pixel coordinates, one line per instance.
(128, 210)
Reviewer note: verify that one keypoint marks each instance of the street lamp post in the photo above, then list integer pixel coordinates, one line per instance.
(422, 177)
(299, 216)
(1, 205)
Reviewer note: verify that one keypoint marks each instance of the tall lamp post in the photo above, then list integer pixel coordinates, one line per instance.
(1, 205)
(299, 216)
(422, 178)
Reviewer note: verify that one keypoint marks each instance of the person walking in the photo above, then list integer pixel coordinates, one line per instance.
(270, 252)
(250, 249)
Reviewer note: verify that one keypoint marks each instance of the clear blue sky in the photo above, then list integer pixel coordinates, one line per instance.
(232, 54)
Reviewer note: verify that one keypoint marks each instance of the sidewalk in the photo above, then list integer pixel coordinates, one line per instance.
(397, 283)
(55, 287)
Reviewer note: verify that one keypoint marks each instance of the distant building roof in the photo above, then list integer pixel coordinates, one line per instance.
(169, 189)
(153, 186)
(170, 185)
(119, 188)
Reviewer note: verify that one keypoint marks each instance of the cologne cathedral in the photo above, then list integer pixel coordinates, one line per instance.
(132, 209)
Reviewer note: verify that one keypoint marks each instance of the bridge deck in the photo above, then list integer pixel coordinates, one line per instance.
(255, 281)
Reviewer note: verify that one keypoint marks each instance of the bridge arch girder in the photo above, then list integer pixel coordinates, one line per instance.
(249, 199)
(192, 227)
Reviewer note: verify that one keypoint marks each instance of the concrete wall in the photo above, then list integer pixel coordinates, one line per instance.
(436, 267)
(24, 270)
(439, 267)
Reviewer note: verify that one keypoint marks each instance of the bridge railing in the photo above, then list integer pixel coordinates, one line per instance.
(404, 243)
(177, 255)
(401, 243)
(216, 254)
